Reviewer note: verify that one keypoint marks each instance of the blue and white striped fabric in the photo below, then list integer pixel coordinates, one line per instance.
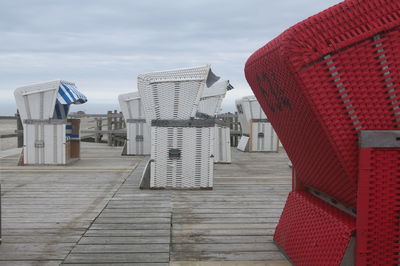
(61, 111)
(68, 130)
(68, 94)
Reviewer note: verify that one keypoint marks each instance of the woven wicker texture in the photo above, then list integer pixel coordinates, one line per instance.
(222, 144)
(173, 94)
(138, 138)
(248, 108)
(131, 105)
(244, 124)
(262, 137)
(378, 207)
(210, 105)
(192, 168)
(326, 78)
(313, 232)
(210, 101)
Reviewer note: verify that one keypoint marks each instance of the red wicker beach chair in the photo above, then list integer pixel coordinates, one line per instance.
(330, 87)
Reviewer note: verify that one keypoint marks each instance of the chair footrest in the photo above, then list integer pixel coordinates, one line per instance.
(312, 232)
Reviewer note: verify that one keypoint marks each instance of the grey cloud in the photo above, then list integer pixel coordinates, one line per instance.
(102, 44)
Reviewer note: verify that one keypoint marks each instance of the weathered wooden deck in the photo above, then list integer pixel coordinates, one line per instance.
(93, 213)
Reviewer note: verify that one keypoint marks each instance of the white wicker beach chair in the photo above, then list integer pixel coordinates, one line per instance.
(137, 129)
(43, 108)
(256, 126)
(174, 94)
(210, 104)
(181, 147)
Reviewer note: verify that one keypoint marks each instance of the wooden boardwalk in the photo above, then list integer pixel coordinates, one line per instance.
(94, 213)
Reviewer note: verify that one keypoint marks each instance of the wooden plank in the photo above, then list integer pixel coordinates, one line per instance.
(40, 239)
(232, 256)
(111, 233)
(222, 232)
(248, 205)
(22, 251)
(123, 264)
(124, 240)
(43, 231)
(230, 263)
(242, 247)
(134, 220)
(107, 214)
(273, 213)
(221, 239)
(125, 248)
(138, 209)
(106, 258)
(30, 262)
(131, 226)
(248, 220)
(225, 210)
(197, 226)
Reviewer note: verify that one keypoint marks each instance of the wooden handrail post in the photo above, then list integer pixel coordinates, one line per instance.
(109, 127)
(20, 136)
(115, 127)
(98, 127)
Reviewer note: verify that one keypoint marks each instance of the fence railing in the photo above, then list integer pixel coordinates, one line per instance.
(234, 125)
(113, 126)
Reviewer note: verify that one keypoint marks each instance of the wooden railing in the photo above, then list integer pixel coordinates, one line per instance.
(234, 125)
(112, 125)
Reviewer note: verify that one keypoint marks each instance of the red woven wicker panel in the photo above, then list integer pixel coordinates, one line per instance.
(378, 207)
(323, 80)
(311, 232)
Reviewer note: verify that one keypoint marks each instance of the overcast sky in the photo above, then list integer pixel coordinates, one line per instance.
(102, 45)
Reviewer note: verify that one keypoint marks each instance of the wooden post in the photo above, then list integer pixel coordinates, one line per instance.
(99, 122)
(123, 120)
(120, 122)
(115, 122)
(0, 216)
(236, 127)
(20, 136)
(109, 127)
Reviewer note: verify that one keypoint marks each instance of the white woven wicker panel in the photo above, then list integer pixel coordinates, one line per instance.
(243, 144)
(44, 144)
(244, 124)
(193, 168)
(218, 89)
(210, 101)
(172, 100)
(131, 106)
(263, 137)
(252, 108)
(210, 105)
(37, 101)
(138, 138)
(222, 145)
(195, 73)
(173, 94)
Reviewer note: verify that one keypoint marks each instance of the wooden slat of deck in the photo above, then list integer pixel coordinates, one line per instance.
(121, 264)
(44, 213)
(120, 224)
(235, 221)
(107, 258)
(142, 238)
